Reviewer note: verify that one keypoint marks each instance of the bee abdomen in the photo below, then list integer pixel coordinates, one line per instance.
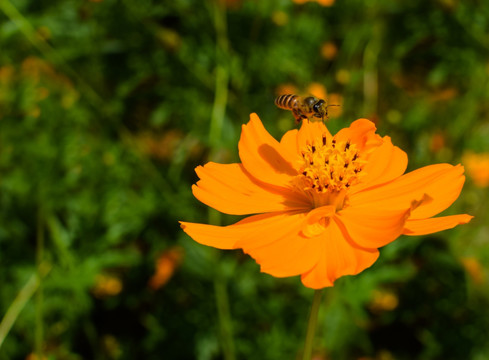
(286, 102)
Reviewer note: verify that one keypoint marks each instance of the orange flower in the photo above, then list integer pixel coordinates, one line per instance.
(329, 50)
(106, 285)
(478, 168)
(320, 2)
(437, 142)
(285, 89)
(474, 269)
(166, 264)
(318, 90)
(324, 204)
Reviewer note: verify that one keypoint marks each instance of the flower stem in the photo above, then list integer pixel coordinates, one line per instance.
(218, 11)
(17, 305)
(222, 73)
(39, 329)
(311, 326)
(224, 315)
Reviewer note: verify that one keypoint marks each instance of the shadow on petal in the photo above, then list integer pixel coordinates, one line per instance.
(273, 158)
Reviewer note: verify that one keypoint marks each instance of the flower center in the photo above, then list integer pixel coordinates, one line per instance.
(328, 168)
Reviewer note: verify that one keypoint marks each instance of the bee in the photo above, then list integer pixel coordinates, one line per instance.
(303, 107)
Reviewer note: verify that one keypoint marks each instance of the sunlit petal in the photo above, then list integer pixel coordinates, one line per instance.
(290, 145)
(432, 225)
(230, 189)
(280, 249)
(310, 131)
(262, 155)
(337, 257)
(387, 162)
(362, 133)
(441, 182)
(372, 227)
(230, 237)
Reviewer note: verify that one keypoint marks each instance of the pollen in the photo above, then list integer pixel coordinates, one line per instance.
(329, 165)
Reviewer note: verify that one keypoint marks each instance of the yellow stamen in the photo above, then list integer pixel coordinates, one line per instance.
(328, 168)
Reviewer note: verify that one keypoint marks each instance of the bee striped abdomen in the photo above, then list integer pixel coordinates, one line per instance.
(287, 101)
(303, 107)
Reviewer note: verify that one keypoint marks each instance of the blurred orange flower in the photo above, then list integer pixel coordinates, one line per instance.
(324, 203)
(166, 265)
(318, 90)
(286, 89)
(33, 356)
(42, 80)
(474, 269)
(437, 142)
(477, 168)
(106, 285)
(160, 146)
(329, 50)
(383, 301)
(6, 74)
(233, 4)
(320, 2)
(336, 110)
(444, 94)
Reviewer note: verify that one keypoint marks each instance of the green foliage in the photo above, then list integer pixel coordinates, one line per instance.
(107, 106)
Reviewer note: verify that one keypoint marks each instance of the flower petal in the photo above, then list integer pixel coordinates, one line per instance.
(310, 131)
(289, 143)
(362, 133)
(444, 191)
(217, 236)
(371, 227)
(230, 189)
(262, 155)
(317, 220)
(387, 162)
(432, 225)
(337, 257)
(278, 247)
(271, 230)
(289, 255)
(441, 182)
(228, 237)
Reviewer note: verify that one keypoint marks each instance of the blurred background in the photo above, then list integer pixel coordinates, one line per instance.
(106, 108)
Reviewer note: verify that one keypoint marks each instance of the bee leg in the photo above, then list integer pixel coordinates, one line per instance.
(325, 115)
(298, 115)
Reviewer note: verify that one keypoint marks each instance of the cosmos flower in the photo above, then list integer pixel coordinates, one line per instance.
(166, 265)
(322, 205)
(477, 168)
(320, 2)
